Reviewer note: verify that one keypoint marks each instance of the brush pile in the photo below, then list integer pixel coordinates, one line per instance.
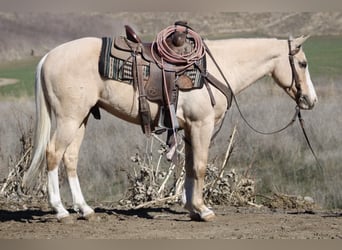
(11, 188)
(296, 203)
(151, 185)
(230, 189)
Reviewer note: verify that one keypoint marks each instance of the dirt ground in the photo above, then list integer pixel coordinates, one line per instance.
(39, 222)
(7, 81)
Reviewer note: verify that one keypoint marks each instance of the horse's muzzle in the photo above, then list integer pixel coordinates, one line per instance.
(304, 102)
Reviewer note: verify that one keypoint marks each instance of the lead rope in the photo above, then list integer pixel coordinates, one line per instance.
(301, 122)
(295, 81)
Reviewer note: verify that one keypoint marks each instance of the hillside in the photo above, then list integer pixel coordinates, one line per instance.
(23, 35)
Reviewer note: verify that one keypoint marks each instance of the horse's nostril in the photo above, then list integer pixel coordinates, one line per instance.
(305, 101)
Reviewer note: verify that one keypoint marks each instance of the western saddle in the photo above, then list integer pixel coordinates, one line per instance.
(130, 60)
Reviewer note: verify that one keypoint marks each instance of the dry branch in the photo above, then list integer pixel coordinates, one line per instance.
(15, 172)
(12, 187)
(221, 188)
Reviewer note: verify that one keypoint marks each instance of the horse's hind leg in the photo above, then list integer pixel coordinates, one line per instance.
(70, 160)
(62, 137)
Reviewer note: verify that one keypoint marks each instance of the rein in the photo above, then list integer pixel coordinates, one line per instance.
(238, 106)
(295, 81)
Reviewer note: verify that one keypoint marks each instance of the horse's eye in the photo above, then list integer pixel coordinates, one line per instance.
(303, 64)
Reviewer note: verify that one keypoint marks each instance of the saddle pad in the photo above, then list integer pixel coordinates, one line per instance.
(115, 68)
(104, 62)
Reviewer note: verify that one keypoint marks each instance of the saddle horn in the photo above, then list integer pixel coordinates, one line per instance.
(179, 36)
(131, 35)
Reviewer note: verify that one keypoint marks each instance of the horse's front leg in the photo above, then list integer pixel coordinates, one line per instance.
(196, 149)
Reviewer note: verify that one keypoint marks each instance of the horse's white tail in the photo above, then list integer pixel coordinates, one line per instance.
(42, 130)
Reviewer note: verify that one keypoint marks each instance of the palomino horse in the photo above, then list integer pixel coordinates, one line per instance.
(68, 85)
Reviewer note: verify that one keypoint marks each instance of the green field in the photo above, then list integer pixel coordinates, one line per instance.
(323, 53)
(23, 71)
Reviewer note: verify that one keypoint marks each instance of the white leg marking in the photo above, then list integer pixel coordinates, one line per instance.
(207, 212)
(184, 197)
(54, 195)
(77, 196)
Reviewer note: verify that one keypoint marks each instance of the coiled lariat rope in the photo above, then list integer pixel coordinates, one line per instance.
(174, 60)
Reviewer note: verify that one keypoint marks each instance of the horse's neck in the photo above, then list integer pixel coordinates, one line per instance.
(244, 61)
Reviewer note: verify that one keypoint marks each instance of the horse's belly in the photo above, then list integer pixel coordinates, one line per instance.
(121, 100)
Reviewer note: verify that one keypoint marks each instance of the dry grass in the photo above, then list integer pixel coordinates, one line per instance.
(279, 163)
(283, 163)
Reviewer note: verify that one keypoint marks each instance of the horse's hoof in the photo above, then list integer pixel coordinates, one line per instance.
(205, 216)
(208, 217)
(66, 220)
(195, 216)
(91, 217)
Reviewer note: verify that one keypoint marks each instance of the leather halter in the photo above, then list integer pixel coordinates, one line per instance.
(295, 78)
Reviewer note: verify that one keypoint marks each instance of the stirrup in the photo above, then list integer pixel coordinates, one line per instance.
(172, 118)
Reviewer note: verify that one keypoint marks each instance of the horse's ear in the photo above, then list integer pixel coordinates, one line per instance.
(300, 40)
